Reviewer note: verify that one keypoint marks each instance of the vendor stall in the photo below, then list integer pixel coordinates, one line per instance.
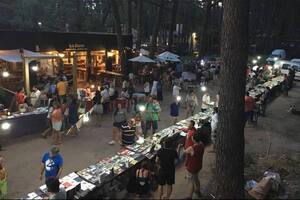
(104, 178)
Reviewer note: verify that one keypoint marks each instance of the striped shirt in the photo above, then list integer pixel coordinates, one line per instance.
(128, 134)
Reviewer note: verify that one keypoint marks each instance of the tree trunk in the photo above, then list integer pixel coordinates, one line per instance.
(173, 23)
(204, 41)
(153, 44)
(230, 141)
(117, 23)
(139, 24)
(129, 20)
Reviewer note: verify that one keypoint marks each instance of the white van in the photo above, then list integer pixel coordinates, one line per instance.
(285, 65)
(277, 54)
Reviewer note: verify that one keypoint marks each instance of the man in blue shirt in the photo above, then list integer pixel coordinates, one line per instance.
(52, 163)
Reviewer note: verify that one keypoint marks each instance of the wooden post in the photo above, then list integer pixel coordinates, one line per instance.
(74, 73)
(26, 76)
(88, 66)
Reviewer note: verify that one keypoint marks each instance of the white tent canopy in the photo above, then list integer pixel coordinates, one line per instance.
(144, 52)
(142, 59)
(15, 55)
(168, 56)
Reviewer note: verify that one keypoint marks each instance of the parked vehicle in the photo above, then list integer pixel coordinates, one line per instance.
(285, 66)
(277, 54)
(297, 60)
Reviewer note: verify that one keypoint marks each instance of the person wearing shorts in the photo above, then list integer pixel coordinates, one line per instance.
(56, 121)
(166, 157)
(193, 164)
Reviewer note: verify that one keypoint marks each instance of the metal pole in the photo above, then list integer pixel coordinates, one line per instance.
(74, 73)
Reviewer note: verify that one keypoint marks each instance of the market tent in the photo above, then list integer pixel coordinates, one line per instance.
(168, 56)
(15, 55)
(144, 52)
(142, 59)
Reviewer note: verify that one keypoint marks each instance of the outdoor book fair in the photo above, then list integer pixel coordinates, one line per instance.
(31, 65)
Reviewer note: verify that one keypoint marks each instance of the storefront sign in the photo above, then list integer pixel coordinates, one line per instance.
(77, 47)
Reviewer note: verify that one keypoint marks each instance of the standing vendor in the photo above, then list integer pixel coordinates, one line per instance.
(20, 100)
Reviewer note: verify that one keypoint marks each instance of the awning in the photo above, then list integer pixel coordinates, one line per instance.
(168, 56)
(15, 55)
(142, 59)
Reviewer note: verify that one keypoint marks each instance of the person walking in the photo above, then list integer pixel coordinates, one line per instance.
(61, 87)
(73, 116)
(160, 90)
(191, 130)
(56, 121)
(147, 88)
(191, 103)
(205, 102)
(165, 159)
(176, 91)
(174, 111)
(54, 191)
(52, 164)
(119, 119)
(3, 179)
(193, 164)
(154, 89)
(98, 107)
(151, 116)
(249, 107)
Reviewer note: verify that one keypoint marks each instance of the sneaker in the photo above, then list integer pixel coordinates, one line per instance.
(112, 142)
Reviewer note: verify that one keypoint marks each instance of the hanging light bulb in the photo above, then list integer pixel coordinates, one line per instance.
(5, 74)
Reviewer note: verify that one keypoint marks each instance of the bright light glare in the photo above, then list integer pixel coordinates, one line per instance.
(142, 108)
(5, 126)
(255, 67)
(86, 118)
(61, 55)
(276, 58)
(178, 98)
(40, 23)
(34, 68)
(254, 61)
(141, 54)
(220, 4)
(5, 74)
(202, 63)
(92, 86)
(203, 88)
(258, 57)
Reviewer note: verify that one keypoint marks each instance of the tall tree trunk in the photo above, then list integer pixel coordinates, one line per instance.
(173, 23)
(117, 23)
(129, 18)
(204, 41)
(230, 142)
(139, 24)
(153, 44)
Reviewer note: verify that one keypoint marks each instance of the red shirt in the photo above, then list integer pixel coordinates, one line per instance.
(193, 163)
(20, 98)
(249, 104)
(188, 140)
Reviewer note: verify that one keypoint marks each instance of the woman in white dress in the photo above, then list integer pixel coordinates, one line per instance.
(154, 89)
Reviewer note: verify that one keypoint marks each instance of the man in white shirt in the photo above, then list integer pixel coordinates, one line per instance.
(176, 91)
(205, 102)
(34, 96)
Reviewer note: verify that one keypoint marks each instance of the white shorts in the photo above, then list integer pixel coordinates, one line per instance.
(57, 126)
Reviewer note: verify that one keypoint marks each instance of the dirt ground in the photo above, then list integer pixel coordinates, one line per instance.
(23, 155)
